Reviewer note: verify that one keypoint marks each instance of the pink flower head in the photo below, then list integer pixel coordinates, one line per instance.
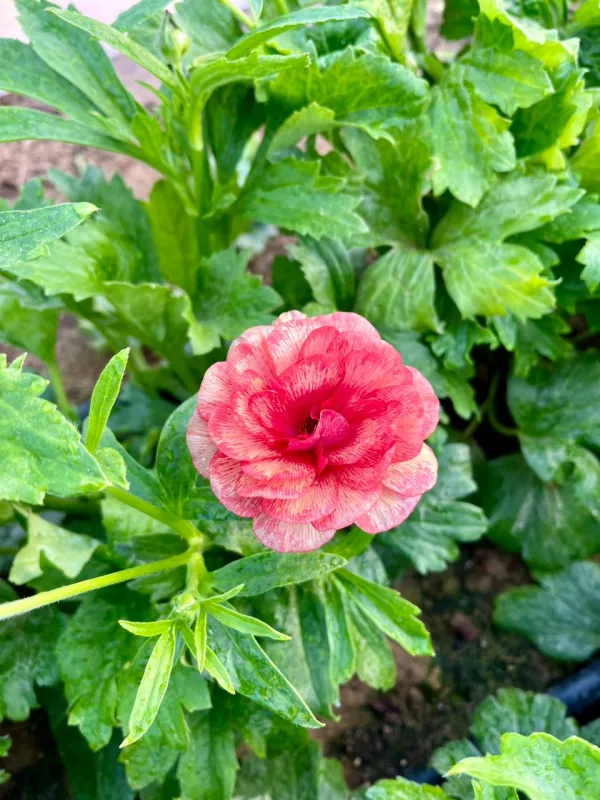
(313, 424)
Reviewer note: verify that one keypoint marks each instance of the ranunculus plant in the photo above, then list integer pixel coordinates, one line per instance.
(197, 560)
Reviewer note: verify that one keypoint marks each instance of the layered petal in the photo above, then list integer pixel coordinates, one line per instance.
(215, 390)
(286, 537)
(316, 502)
(224, 473)
(199, 442)
(388, 511)
(414, 477)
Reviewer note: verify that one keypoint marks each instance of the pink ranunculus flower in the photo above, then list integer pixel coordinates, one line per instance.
(313, 424)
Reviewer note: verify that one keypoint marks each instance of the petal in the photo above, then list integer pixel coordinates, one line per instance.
(318, 501)
(250, 352)
(235, 440)
(270, 409)
(313, 379)
(223, 473)
(201, 446)
(275, 478)
(431, 405)
(285, 537)
(390, 510)
(288, 316)
(286, 339)
(368, 440)
(413, 477)
(351, 503)
(348, 322)
(322, 340)
(215, 389)
(331, 429)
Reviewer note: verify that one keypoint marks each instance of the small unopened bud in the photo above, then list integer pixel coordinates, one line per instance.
(174, 43)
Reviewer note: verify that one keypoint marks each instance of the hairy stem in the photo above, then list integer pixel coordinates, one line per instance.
(181, 526)
(16, 607)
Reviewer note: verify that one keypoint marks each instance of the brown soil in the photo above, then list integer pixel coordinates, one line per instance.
(384, 735)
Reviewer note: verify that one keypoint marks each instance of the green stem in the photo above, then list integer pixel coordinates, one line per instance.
(62, 401)
(239, 14)
(181, 526)
(196, 570)
(282, 7)
(502, 429)
(16, 607)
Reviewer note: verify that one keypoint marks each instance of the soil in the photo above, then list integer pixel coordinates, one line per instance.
(383, 735)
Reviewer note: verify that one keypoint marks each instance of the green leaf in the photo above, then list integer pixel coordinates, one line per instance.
(25, 235)
(215, 668)
(458, 19)
(516, 711)
(392, 178)
(559, 400)
(362, 90)
(210, 24)
(24, 72)
(147, 629)
(402, 789)
(40, 451)
(586, 161)
(130, 20)
(124, 218)
(265, 571)
(67, 551)
(533, 338)
(292, 194)
(174, 466)
(153, 687)
(328, 270)
(32, 638)
(390, 612)
(392, 22)
(515, 204)
(104, 397)
(502, 74)
(289, 22)
(550, 524)
(201, 638)
(123, 43)
(254, 675)
(540, 765)
(207, 770)
(486, 278)
(230, 300)
(152, 757)
(305, 660)
(561, 616)
(78, 58)
(554, 123)
(175, 237)
(18, 124)
(91, 653)
(343, 656)
(243, 623)
(398, 291)
(28, 322)
(589, 255)
(471, 142)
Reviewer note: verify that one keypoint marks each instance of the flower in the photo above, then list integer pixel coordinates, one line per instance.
(313, 424)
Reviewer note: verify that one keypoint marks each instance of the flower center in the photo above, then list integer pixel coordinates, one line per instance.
(308, 426)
